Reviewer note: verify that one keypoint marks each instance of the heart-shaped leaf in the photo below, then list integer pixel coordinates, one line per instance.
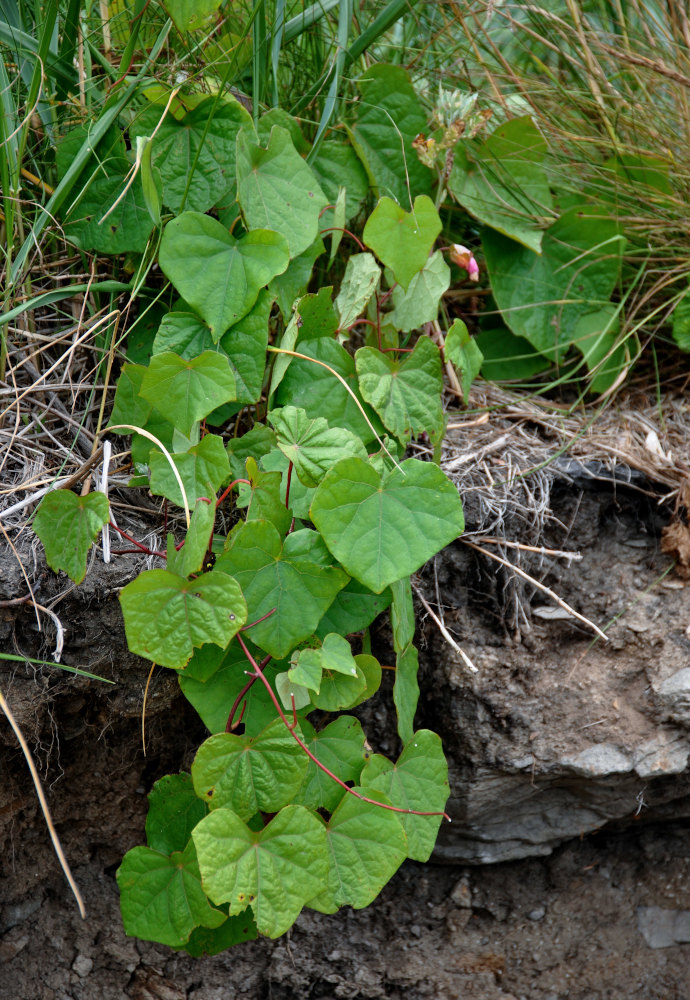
(340, 748)
(174, 811)
(291, 580)
(419, 304)
(203, 468)
(186, 390)
(403, 240)
(247, 774)
(67, 525)
(382, 528)
(219, 276)
(166, 616)
(275, 871)
(311, 445)
(277, 189)
(406, 394)
(418, 781)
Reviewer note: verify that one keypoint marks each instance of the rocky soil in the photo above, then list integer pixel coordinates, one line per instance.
(568, 768)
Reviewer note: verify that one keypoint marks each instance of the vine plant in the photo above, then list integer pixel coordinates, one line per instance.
(263, 623)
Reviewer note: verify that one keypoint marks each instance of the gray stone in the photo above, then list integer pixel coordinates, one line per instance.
(673, 695)
(599, 760)
(661, 755)
(663, 928)
(82, 965)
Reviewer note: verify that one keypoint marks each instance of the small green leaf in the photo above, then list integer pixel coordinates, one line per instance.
(166, 616)
(305, 668)
(419, 304)
(291, 693)
(127, 226)
(277, 190)
(418, 781)
(67, 525)
(367, 845)
(333, 656)
(219, 276)
(262, 498)
(680, 319)
(403, 240)
(338, 691)
(129, 406)
(203, 468)
(406, 690)
(317, 316)
(384, 528)
(161, 897)
(256, 443)
(406, 394)
(151, 183)
(249, 775)
(174, 811)
(464, 353)
(311, 445)
(189, 559)
(340, 748)
(185, 391)
(275, 871)
(362, 275)
(288, 579)
(212, 941)
(402, 614)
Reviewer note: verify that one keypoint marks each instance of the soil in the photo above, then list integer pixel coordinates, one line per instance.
(566, 926)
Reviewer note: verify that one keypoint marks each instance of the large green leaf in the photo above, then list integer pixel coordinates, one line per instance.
(275, 871)
(419, 304)
(174, 811)
(403, 240)
(67, 525)
(291, 579)
(389, 118)
(203, 469)
(166, 616)
(211, 941)
(277, 189)
(186, 390)
(418, 781)
(204, 140)
(189, 15)
(219, 276)
(249, 775)
(382, 528)
(502, 182)
(311, 445)
(127, 227)
(320, 394)
(161, 897)
(406, 394)
(543, 297)
(338, 166)
(367, 845)
(293, 283)
(129, 407)
(353, 609)
(340, 748)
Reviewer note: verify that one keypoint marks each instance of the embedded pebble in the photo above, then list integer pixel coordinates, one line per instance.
(82, 965)
(538, 913)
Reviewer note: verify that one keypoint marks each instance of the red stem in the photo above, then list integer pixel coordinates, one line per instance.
(332, 229)
(247, 687)
(227, 490)
(140, 547)
(291, 729)
(287, 488)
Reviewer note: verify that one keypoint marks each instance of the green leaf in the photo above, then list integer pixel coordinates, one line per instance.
(212, 941)
(203, 468)
(127, 227)
(406, 690)
(249, 775)
(291, 284)
(256, 443)
(300, 495)
(680, 319)
(338, 166)
(290, 693)
(288, 578)
(151, 183)
(214, 696)
(362, 275)
(507, 356)
(333, 656)
(219, 276)
(129, 407)
(317, 316)
(174, 811)
(406, 394)
(203, 140)
(340, 748)
(319, 393)
(67, 525)
(262, 498)
(502, 182)
(305, 668)
(185, 391)
(418, 781)
(367, 845)
(389, 118)
(166, 616)
(597, 338)
(275, 871)
(189, 559)
(384, 528)
(403, 240)
(161, 897)
(354, 608)
(188, 15)
(464, 354)
(419, 304)
(402, 614)
(183, 332)
(371, 668)
(542, 298)
(311, 445)
(278, 191)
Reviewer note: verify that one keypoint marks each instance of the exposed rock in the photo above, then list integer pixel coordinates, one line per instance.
(662, 928)
(673, 695)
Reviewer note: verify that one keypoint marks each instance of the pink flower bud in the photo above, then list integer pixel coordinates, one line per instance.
(464, 258)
